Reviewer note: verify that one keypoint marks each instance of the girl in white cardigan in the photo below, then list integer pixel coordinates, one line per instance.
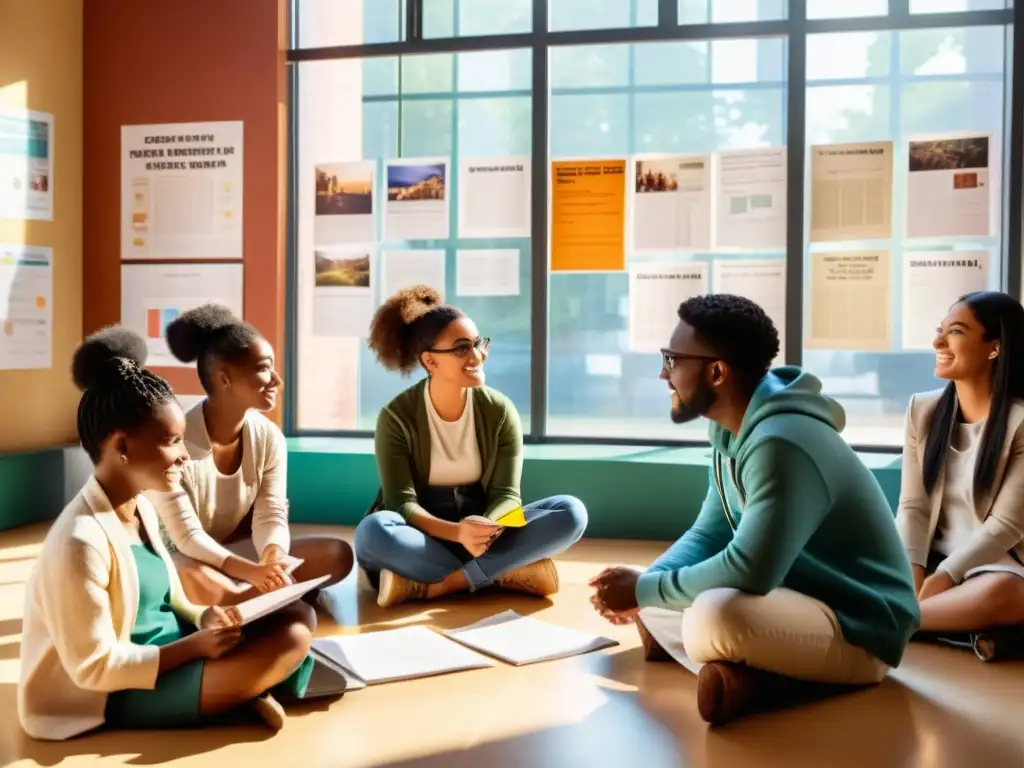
(109, 635)
(229, 518)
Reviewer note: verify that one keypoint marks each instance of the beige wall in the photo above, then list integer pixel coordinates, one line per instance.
(41, 69)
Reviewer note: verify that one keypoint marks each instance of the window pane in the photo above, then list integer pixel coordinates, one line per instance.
(837, 9)
(720, 11)
(875, 387)
(349, 22)
(684, 97)
(476, 17)
(947, 6)
(565, 15)
(849, 55)
(432, 73)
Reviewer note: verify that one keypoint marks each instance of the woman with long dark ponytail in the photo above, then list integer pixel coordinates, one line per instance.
(961, 511)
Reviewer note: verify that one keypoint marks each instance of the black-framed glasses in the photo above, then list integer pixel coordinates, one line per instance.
(464, 348)
(668, 358)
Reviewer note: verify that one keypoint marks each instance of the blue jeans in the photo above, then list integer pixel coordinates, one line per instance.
(386, 540)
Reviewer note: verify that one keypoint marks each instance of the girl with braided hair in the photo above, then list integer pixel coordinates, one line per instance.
(449, 453)
(109, 635)
(229, 517)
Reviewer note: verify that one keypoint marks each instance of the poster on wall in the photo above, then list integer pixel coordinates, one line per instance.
(153, 295)
(344, 203)
(763, 281)
(932, 283)
(417, 200)
(26, 165)
(751, 210)
(487, 272)
(494, 197)
(405, 269)
(343, 302)
(588, 215)
(672, 203)
(328, 383)
(181, 191)
(949, 192)
(26, 307)
(851, 191)
(850, 301)
(655, 293)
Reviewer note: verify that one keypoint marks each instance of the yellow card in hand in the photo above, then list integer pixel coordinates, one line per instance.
(515, 518)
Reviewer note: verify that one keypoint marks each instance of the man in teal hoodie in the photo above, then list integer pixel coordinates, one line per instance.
(793, 575)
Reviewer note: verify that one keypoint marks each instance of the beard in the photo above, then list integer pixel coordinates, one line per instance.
(700, 403)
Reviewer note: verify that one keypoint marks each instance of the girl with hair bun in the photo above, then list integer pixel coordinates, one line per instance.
(450, 456)
(109, 635)
(229, 517)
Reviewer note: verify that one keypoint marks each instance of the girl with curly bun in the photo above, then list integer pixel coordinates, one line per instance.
(229, 517)
(109, 634)
(450, 456)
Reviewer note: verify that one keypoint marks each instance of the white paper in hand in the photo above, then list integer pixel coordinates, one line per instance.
(523, 640)
(262, 605)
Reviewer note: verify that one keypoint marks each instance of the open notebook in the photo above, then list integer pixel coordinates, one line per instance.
(395, 654)
(523, 640)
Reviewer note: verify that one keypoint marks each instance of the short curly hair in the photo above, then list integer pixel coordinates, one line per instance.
(209, 334)
(737, 329)
(407, 325)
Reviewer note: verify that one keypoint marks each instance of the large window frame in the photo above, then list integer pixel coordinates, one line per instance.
(794, 29)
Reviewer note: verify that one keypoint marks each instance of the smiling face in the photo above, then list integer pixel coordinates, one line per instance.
(962, 349)
(253, 381)
(458, 355)
(685, 364)
(154, 453)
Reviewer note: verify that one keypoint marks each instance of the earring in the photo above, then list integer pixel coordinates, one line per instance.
(124, 458)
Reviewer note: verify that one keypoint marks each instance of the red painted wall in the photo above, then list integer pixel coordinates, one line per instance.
(171, 61)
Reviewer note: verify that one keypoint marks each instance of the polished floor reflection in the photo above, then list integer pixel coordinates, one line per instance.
(941, 709)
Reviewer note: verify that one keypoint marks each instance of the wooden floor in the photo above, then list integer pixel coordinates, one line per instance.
(941, 709)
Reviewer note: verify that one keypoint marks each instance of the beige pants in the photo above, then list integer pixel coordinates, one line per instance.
(783, 632)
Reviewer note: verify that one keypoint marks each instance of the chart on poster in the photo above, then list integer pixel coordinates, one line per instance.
(851, 191)
(26, 165)
(751, 194)
(26, 307)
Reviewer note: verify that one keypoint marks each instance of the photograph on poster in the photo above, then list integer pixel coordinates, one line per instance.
(763, 281)
(328, 382)
(672, 203)
(417, 200)
(949, 193)
(26, 165)
(588, 215)
(343, 295)
(932, 283)
(487, 272)
(153, 295)
(344, 203)
(751, 211)
(494, 197)
(850, 301)
(655, 293)
(181, 191)
(26, 307)
(851, 191)
(404, 269)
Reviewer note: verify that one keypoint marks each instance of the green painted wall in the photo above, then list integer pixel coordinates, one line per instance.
(630, 493)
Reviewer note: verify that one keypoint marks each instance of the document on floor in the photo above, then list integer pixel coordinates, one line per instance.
(264, 605)
(666, 627)
(521, 640)
(397, 654)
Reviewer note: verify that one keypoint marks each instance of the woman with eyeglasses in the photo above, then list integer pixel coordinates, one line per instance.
(450, 456)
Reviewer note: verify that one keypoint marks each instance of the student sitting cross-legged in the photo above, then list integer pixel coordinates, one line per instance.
(793, 570)
(450, 449)
(961, 512)
(229, 518)
(109, 636)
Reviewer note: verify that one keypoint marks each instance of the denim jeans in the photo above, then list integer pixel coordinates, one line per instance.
(386, 540)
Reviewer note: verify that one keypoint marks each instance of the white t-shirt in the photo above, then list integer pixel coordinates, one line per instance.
(454, 452)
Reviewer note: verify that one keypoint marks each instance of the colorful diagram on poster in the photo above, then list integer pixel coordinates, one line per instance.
(26, 165)
(588, 215)
(26, 307)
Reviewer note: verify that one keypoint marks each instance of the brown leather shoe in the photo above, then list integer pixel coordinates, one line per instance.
(539, 578)
(652, 648)
(395, 589)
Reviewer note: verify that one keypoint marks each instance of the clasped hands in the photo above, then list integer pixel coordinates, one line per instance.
(271, 572)
(615, 594)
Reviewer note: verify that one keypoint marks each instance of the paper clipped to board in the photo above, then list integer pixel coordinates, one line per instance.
(263, 605)
(521, 640)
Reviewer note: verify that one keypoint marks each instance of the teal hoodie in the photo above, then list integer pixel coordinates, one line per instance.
(791, 505)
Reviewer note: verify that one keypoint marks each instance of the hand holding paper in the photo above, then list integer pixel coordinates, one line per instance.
(262, 605)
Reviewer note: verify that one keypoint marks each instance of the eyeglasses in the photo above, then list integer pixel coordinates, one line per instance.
(462, 350)
(668, 358)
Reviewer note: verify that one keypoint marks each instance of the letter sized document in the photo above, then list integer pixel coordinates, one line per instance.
(521, 640)
(263, 605)
(397, 654)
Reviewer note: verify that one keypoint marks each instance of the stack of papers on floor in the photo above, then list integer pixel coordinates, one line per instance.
(396, 654)
(522, 640)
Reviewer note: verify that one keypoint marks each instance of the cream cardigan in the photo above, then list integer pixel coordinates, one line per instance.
(80, 609)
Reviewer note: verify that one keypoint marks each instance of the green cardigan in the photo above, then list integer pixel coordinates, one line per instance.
(402, 447)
